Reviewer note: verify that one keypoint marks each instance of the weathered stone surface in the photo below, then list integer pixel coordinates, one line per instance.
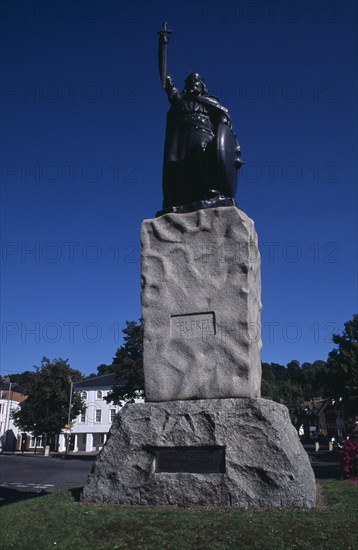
(201, 304)
(265, 463)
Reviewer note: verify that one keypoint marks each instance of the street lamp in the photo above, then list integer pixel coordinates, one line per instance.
(68, 425)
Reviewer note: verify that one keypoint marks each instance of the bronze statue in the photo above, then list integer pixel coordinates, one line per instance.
(201, 152)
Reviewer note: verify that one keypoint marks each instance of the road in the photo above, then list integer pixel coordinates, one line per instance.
(325, 463)
(26, 476)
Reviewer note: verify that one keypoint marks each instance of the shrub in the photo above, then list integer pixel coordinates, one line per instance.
(349, 460)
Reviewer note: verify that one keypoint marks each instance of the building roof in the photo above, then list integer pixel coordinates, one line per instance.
(14, 387)
(98, 381)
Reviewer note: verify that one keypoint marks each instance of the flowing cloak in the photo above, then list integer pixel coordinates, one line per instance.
(179, 128)
(191, 167)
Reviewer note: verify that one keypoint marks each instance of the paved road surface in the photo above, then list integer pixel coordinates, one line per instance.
(25, 476)
(325, 463)
(28, 476)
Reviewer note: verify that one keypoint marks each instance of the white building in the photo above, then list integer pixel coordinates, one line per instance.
(11, 395)
(89, 431)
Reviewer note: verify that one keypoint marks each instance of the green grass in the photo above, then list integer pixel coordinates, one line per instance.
(58, 521)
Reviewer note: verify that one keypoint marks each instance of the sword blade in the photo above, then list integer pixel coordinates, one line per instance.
(162, 53)
(163, 64)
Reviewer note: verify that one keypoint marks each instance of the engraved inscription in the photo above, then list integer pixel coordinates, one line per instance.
(194, 460)
(197, 325)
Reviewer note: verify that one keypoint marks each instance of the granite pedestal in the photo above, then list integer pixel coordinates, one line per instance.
(201, 304)
(204, 436)
(219, 452)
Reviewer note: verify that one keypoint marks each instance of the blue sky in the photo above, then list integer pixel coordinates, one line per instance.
(82, 133)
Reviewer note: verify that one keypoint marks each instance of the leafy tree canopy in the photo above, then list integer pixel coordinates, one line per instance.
(340, 376)
(281, 383)
(22, 379)
(45, 411)
(128, 365)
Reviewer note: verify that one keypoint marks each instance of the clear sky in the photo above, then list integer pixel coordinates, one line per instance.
(82, 133)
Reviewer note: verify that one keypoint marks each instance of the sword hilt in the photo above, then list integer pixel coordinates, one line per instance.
(164, 33)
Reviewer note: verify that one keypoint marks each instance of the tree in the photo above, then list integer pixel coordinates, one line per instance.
(45, 411)
(311, 379)
(128, 365)
(282, 383)
(104, 369)
(340, 376)
(288, 393)
(294, 371)
(101, 370)
(286, 385)
(22, 379)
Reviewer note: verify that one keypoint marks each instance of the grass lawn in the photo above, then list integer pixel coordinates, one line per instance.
(60, 521)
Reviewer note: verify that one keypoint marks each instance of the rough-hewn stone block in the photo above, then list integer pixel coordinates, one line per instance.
(264, 463)
(201, 303)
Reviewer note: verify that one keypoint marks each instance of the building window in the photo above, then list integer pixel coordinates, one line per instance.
(99, 394)
(36, 441)
(98, 441)
(98, 415)
(83, 418)
(84, 395)
(113, 414)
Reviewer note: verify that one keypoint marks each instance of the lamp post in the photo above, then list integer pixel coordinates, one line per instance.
(8, 416)
(68, 425)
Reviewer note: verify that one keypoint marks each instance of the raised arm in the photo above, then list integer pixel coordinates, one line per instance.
(162, 53)
(173, 93)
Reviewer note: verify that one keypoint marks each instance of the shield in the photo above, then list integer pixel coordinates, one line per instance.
(226, 155)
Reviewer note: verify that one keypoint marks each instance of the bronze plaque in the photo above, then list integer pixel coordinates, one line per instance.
(192, 460)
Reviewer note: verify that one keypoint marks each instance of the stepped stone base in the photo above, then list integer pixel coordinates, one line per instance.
(221, 452)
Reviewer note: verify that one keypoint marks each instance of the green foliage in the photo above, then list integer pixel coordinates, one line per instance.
(337, 378)
(294, 371)
(310, 378)
(284, 384)
(288, 392)
(104, 369)
(45, 411)
(22, 379)
(292, 385)
(273, 372)
(340, 376)
(128, 365)
(266, 388)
